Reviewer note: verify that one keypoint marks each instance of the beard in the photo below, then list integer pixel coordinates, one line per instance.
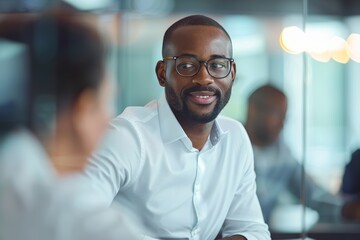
(180, 108)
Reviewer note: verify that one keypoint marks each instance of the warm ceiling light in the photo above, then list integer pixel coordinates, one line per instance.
(320, 46)
(338, 49)
(320, 56)
(292, 40)
(317, 47)
(354, 46)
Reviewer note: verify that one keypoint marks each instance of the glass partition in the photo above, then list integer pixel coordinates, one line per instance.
(332, 129)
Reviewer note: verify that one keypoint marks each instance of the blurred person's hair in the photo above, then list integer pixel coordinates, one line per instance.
(65, 56)
(263, 92)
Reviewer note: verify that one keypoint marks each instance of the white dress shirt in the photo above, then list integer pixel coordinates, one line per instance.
(170, 190)
(35, 204)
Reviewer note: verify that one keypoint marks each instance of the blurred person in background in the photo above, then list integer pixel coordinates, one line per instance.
(278, 172)
(350, 188)
(179, 176)
(48, 136)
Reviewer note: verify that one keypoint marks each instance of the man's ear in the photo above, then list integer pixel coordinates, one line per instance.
(160, 72)
(233, 72)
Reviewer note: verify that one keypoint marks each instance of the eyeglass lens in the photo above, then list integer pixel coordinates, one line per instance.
(190, 66)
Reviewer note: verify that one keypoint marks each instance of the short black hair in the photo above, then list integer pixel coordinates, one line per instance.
(65, 56)
(193, 20)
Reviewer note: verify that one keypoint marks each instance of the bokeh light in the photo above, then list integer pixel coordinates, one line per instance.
(338, 49)
(292, 40)
(317, 47)
(354, 46)
(321, 46)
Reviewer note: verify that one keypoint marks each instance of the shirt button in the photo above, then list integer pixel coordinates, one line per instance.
(194, 232)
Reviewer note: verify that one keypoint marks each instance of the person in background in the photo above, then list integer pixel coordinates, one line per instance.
(350, 188)
(278, 172)
(186, 172)
(66, 112)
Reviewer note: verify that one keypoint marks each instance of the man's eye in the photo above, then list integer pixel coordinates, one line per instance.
(186, 66)
(218, 65)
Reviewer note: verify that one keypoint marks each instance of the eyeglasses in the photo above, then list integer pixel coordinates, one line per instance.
(188, 66)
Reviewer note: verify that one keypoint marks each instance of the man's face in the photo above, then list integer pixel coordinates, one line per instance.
(199, 98)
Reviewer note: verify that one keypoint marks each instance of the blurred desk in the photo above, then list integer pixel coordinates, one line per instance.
(325, 231)
(330, 225)
(330, 231)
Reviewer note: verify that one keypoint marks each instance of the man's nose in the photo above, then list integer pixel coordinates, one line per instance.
(203, 77)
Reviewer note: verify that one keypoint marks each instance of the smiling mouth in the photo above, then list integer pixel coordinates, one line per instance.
(202, 97)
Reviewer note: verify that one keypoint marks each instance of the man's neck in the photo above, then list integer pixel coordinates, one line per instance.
(198, 133)
(63, 155)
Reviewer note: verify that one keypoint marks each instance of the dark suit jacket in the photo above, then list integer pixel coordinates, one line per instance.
(351, 177)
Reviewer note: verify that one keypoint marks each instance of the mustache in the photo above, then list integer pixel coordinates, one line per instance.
(201, 88)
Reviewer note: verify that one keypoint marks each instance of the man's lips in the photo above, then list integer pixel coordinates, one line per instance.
(202, 97)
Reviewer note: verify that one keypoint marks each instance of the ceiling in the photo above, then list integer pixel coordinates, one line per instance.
(341, 8)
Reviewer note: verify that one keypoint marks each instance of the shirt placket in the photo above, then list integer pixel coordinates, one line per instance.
(197, 196)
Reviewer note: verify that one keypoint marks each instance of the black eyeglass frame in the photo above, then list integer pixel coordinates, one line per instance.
(231, 60)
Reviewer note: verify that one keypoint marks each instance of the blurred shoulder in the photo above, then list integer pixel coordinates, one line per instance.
(355, 156)
(137, 114)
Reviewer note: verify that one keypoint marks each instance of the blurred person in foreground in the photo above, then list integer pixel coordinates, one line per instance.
(66, 103)
(186, 172)
(278, 172)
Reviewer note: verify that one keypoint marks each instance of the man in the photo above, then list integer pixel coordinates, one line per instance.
(278, 173)
(62, 61)
(176, 168)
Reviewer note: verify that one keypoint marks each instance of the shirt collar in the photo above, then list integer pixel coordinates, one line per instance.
(172, 131)
(216, 133)
(169, 126)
